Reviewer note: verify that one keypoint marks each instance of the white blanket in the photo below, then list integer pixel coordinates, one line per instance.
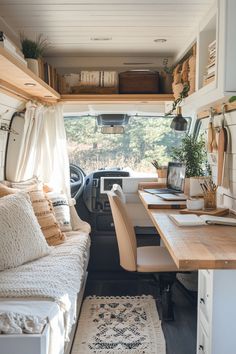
(57, 276)
(43, 309)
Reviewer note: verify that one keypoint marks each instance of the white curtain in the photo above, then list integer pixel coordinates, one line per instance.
(43, 152)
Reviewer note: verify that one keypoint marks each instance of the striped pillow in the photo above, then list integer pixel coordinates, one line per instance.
(61, 210)
(43, 210)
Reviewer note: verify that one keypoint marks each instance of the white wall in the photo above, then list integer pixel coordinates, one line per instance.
(8, 106)
(226, 194)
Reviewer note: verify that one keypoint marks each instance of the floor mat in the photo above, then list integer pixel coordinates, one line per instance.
(119, 325)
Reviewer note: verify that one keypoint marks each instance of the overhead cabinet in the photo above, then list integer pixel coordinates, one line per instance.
(216, 56)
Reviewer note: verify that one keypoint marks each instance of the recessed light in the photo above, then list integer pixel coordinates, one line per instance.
(101, 38)
(160, 40)
(135, 63)
(31, 84)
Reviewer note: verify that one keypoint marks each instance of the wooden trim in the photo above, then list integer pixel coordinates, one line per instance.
(229, 107)
(10, 90)
(122, 98)
(16, 75)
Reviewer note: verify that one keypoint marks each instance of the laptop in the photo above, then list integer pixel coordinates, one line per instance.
(175, 181)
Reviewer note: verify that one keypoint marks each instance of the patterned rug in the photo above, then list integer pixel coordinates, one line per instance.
(119, 325)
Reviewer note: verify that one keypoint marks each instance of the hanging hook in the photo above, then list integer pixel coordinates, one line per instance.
(223, 114)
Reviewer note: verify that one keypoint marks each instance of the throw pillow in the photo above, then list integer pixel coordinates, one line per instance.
(28, 185)
(61, 209)
(21, 239)
(44, 212)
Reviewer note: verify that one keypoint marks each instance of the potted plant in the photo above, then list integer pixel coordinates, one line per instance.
(192, 152)
(33, 51)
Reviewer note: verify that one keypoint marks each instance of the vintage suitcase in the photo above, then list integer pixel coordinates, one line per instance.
(137, 81)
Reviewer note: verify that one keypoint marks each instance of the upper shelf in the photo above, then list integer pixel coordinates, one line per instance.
(14, 75)
(121, 98)
(18, 79)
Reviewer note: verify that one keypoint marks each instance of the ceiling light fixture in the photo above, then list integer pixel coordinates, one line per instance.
(101, 38)
(179, 123)
(160, 40)
(30, 84)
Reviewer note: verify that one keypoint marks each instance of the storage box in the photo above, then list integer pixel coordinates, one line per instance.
(136, 81)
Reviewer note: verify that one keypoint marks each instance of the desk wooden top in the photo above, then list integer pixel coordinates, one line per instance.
(196, 247)
(152, 201)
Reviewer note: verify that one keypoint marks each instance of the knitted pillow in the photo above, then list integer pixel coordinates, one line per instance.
(44, 212)
(21, 239)
(61, 209)
(28, 185)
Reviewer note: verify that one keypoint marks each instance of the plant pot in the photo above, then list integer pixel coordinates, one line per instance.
(33, 65)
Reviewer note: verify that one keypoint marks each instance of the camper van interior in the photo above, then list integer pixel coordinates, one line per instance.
(117, 177)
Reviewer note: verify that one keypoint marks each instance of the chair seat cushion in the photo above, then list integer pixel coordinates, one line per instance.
(154, 259)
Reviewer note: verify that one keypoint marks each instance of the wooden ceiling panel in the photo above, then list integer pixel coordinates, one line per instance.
(71, 26)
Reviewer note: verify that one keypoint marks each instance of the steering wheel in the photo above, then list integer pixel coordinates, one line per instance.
(77, 181)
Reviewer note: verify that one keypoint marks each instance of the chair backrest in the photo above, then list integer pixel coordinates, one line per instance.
(124, 232)
(116, 188)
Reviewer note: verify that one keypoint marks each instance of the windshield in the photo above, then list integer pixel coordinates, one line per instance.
(145, 139)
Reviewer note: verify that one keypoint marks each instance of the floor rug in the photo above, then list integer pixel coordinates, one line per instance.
(119, 325)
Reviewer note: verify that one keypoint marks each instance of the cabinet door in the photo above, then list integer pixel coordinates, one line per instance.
(230, 46)
(205, 293)
(203, 341)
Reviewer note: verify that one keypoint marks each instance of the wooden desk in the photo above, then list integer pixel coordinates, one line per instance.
(212, 248)
(152, 201)
(200, 247)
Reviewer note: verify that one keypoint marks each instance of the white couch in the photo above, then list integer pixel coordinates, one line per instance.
(60, 318)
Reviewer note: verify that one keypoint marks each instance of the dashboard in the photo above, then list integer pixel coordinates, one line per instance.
(96, 185)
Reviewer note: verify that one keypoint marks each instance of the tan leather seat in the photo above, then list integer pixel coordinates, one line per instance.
(154, 259)
(132, 258)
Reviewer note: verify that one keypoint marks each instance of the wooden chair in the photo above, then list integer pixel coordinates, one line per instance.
(147, 259)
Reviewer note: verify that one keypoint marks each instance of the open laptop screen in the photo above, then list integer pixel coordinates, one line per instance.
(176, 176)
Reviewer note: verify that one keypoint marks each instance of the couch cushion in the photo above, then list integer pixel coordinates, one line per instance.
(21, 239)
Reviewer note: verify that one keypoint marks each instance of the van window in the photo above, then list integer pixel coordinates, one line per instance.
(144, 139)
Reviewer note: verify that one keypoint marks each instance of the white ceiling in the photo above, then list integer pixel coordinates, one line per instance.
(132, 24)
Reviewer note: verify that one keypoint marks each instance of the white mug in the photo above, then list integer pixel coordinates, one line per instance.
(195, 204)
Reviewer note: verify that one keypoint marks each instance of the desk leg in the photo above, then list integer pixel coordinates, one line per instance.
(216, 312)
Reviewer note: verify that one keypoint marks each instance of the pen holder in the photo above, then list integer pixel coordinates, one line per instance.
(210, 201)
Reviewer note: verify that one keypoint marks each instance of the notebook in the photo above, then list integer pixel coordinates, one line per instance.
(201, 220)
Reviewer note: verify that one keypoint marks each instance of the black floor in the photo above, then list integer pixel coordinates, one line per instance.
(180, 334)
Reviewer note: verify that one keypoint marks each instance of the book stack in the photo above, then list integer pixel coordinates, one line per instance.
(49, 75)
(9, 46)
(211, 65)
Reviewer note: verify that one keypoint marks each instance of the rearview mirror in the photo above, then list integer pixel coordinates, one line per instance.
(115, 129)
